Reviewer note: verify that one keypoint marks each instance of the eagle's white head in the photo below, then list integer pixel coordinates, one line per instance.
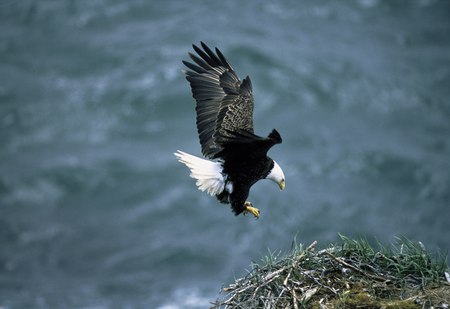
(276, 175)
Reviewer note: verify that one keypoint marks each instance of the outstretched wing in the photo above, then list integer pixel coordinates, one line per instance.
(224, 103)
(243, 142)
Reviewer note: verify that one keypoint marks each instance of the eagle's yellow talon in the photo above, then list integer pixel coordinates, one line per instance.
(249, 208)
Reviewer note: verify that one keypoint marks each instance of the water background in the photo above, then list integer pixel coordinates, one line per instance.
(95, 212)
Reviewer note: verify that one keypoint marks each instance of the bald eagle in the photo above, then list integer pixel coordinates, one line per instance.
(236, 158)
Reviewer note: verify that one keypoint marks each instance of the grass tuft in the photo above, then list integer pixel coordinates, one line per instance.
(349, 274)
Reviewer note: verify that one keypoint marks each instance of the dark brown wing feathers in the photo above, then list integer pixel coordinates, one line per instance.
(224, 103)
(242, 141)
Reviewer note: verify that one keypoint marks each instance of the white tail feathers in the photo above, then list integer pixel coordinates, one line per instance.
(207, 173)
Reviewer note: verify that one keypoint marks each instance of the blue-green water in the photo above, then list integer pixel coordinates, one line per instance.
(95, 212)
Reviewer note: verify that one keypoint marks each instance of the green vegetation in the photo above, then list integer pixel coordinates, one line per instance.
(350, 274)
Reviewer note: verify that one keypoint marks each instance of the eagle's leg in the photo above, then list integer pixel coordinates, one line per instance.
(250, 209)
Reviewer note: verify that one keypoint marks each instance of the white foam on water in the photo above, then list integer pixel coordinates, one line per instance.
(188, 298)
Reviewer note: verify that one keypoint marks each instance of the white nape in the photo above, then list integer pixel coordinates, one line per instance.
(276, 174)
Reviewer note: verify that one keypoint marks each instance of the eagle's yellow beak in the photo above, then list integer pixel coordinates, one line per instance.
(282, 184)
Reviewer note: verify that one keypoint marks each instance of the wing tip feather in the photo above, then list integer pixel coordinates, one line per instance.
(275, 137)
